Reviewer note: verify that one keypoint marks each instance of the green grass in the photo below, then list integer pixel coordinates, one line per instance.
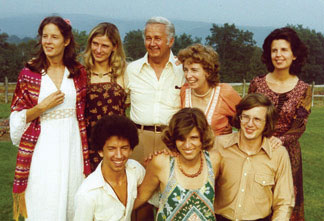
(312, 143)
(7, 168)
(4, 110)
(313, 155)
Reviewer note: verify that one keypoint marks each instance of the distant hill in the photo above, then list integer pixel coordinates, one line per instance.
(27, 25)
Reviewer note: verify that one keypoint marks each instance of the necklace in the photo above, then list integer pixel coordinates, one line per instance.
(100, 75)
(201, 95)
(195, 174)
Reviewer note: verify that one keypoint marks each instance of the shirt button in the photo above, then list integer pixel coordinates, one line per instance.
(248, 158)
(240, 205)
(263, 182)
(245, 174)
(242, 190)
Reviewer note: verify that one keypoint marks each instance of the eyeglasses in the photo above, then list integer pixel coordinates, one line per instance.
(256, 121)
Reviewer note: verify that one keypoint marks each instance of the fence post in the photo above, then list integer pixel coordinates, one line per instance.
(244, 84)
(6, 89)
(313, 88)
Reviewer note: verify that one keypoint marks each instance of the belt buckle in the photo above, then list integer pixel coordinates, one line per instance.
(155, 128)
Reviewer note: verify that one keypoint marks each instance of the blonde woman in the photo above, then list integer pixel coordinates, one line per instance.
(104, 59)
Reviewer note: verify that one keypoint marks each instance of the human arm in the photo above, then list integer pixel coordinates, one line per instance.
(283, 191)
(298, 125)
(151, 181)
(229, 99)
(252, 87)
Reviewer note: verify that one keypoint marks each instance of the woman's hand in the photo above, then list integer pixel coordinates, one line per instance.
(49, 102)
(275, 142)
(165, 151)
(52, 100)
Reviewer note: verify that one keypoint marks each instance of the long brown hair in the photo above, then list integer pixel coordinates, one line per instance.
(182, 123)
(40, 62)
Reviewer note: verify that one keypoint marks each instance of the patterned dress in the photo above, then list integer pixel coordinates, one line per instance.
(106, 98)
(178, 203)
(293, 108)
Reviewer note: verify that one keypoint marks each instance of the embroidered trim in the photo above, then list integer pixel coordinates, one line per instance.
(210, 106)
(58, 114)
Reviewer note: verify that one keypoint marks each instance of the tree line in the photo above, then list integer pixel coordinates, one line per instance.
(239, 55)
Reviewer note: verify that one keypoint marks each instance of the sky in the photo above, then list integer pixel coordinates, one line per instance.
(276, 13)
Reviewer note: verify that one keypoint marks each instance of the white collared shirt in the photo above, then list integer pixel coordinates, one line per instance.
(153, 101)
(96, 200)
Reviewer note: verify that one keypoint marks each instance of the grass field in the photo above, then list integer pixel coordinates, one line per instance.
(312, 143)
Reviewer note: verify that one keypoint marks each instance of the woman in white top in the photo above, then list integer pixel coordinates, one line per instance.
(47, 123)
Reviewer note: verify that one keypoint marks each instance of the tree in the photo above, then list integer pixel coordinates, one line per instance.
(134, 45)
(314, 67)
(256, 66)
(235, 48)
(183, 41)
(80, 38)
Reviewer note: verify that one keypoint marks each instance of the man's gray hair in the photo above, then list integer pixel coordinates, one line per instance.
(169, 27)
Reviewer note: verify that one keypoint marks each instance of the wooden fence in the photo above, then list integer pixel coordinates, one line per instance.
(244, 85)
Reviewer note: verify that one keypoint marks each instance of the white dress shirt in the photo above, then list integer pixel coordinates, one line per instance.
(96, 200)
(153, 101)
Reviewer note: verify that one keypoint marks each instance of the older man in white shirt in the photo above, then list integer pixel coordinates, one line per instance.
(109, 192)
(154, 82)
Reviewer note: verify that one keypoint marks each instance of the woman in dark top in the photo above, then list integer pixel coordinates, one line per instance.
(104, 59)
(284, 54)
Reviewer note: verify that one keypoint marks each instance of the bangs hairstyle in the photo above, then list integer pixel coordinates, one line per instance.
(114, 125)
(298, 49)
(169, 27)
(257, 100)
(207, 57)
(39, 62)
(181, 125)
(117, 59)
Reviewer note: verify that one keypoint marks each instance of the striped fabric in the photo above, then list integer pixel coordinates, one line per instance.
(25, 97)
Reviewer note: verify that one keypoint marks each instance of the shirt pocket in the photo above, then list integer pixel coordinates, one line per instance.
(172, 98)
(263, 184)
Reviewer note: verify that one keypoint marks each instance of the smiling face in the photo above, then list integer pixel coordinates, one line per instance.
(281, 54)
(253, 122)
(101, 49)
(195, 76)
(115, 153)
(191, 146)
(156, 42)
(53, 42)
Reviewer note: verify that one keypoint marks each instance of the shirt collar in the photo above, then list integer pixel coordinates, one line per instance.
(98, 179)
(235, 139)
(171, 61)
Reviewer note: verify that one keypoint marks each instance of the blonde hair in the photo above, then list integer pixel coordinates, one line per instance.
(117, 59)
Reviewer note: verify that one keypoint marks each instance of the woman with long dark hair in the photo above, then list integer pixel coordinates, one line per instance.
(47, 123)
(284, 54)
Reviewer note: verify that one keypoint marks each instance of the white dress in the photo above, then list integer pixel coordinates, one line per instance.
(56, 169)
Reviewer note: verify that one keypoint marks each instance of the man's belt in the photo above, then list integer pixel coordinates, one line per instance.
(154, 128)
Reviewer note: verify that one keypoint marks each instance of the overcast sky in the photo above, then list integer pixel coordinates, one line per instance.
(275, 13)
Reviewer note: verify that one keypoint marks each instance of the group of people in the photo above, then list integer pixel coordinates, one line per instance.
(69, 121)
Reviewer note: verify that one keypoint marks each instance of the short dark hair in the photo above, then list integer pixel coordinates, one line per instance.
(40, 62)
(257, 100)
(207, 57)
(298, 48)
(182, 123)
(114, 125)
